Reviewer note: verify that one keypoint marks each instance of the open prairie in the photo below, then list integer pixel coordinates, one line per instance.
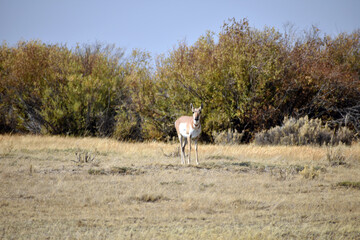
(90, 188)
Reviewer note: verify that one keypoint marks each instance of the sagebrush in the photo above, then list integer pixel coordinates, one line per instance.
(304, 131)
(227, 137)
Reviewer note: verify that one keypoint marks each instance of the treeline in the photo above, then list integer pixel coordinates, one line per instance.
(248, 80)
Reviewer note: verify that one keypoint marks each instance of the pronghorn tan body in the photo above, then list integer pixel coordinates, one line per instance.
(187, 128)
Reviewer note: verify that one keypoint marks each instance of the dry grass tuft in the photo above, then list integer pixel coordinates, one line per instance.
(310, 172)
(335, 156)
(140, 191)
(85, 157)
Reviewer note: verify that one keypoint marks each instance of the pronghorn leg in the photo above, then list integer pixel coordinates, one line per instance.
(182, 148)
(181, 152)
(189, 139)
(196, 150)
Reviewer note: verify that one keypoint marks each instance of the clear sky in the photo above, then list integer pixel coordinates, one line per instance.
(158, 25)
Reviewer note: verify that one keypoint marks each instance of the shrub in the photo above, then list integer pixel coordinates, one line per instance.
(127, 126)
(303, 131)
(85, 157)
(227, 137)
(335, 156)
(344, 135)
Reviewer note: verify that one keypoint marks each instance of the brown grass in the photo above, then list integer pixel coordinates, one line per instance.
(140, 191)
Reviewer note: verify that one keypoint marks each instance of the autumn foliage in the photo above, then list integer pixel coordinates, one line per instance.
(249, 80)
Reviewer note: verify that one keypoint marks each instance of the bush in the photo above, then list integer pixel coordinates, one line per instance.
(303, 131)
(227, 137)
(127, 127)
(335, 156)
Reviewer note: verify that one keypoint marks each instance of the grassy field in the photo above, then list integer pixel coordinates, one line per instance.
(89, 188)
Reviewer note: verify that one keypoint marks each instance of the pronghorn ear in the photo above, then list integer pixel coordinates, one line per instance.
(192, 107)
(201, 107)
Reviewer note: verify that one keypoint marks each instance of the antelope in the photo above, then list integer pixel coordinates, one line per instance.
(187, 128)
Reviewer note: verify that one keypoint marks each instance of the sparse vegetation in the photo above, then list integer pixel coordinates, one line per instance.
(237, 192)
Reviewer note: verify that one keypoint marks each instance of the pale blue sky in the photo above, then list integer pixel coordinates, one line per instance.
(157, 26)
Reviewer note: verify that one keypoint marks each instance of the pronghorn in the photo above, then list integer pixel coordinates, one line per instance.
(188, 127)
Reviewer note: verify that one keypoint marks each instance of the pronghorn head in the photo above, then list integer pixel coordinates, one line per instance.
(196, 113)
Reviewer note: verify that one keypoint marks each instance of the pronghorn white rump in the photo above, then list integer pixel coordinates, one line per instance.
(187, 128)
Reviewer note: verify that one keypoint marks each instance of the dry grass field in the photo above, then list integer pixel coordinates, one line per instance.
(89, 188)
